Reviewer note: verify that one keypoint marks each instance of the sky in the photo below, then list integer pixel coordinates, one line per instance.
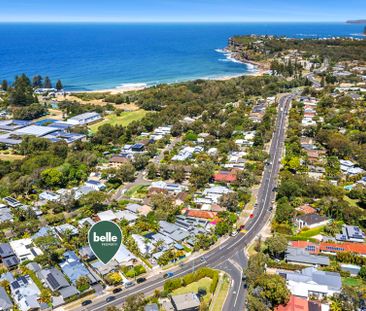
(180, 10)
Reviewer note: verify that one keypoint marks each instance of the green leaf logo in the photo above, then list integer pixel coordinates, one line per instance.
(105, 238)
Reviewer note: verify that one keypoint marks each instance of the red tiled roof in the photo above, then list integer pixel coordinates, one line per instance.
(357, 248)
(225, 177)
(295, 304)
(201, 214)
(306, 209)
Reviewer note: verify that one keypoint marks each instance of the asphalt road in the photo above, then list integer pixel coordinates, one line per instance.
(229, 256)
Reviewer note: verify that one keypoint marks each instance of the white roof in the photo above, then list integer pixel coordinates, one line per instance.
(84, 116)
(107, 215)
(36, 130)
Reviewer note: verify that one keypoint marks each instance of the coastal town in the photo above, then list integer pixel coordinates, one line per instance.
(268, 170)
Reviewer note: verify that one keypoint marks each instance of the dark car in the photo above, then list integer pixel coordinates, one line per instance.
(86, 302)
(140, 280)
(110, 298)
(117, 290)
(168, 275)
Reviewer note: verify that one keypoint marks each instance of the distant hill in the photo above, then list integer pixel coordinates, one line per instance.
(357, 21)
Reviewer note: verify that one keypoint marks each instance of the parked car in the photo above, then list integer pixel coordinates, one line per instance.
(140, 280)
(86, 302)
(168, 275)
(110, 298)
(117, 290)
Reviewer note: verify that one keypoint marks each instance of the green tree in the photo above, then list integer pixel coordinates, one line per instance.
(276, 246)
(59, 85)
(134, 303)
(52, 177)
(4, 85)
(47, 83)
(126, 172)
(151, 171)
(37, 81)
(82, 283)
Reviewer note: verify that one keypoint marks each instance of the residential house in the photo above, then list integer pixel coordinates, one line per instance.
(351, 234)
(5, 302)
(124, 257)
(25, 250)
(86, 253)
(312, 282)
(299, 304)
(25, 293)
(49, 196)
(66, 229)
(331, 248)
(186, 302)
(350, 168)
(56, 282)
(187, 153)
(138, 209)
(73, 268)
(5, 214)
(306, 209)
(144, 245)
(116, 161)
(300, 256)
(88, 222)
(106, 216)
(104, 269)
(310, 221)
(8, 257)
(167, 187)
(95, 184)
(126, 215)
(173, 231)
(225, 177)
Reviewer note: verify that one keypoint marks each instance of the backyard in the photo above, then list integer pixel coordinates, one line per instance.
(123, 119)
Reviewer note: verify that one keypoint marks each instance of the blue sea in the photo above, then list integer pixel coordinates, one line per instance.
(104, 56)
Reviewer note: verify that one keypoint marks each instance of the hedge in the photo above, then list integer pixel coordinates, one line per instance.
(173, 284)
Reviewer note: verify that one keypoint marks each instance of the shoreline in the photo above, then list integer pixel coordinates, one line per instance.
(257, 70)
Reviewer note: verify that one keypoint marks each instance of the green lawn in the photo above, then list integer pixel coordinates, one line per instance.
(353, 282)
(193, 288)
(311, 232)
(221, 296)
(137, 192)
(124, 119)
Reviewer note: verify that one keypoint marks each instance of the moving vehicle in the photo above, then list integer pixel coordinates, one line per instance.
(117, 290)
(86, 302)
(110, 298)
(129, 284)
(234, 233)
(140, 280)
(168, 275)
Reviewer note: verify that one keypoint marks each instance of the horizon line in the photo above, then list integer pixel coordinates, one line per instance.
(161, 22)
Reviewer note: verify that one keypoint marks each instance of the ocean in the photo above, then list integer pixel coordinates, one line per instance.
(105, 56)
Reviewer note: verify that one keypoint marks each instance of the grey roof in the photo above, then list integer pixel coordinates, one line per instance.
(87, 253)
(299, 255)
(33, 266)
(11, 261)
(5, 302)
(185, 301)
(85, 116)
(312, 219)
(53, 278)
(151, 307)
(68, 291)
(311, 274)
(6, 250)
